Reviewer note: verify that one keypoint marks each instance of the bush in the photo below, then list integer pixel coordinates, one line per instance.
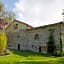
(3, 41)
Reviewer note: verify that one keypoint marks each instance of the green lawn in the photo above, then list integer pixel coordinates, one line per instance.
(28, 57)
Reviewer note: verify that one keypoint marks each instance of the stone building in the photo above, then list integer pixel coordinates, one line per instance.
(43, 39)
(16, 33)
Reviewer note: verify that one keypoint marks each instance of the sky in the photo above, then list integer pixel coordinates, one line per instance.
(36, 12)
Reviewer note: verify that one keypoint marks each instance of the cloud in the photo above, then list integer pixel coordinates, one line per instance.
(39, 12)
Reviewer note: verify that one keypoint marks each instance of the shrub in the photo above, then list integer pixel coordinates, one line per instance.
(3, 41)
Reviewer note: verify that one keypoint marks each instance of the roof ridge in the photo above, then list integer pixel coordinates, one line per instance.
(23, 23)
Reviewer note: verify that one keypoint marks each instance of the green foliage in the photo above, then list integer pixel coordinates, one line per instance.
(3, 41)
(51, 38)
(7, 17)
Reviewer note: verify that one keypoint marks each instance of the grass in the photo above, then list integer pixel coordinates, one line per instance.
(28, 57)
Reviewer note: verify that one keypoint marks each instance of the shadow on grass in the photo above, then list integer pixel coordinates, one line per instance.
(29, 53)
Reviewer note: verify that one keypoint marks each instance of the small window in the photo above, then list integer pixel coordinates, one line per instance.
(18, 36)
(16, 26)
(32, 46)
(9, 45)
(36, 36)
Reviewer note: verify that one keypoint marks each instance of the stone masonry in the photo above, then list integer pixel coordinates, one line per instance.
(36, 39)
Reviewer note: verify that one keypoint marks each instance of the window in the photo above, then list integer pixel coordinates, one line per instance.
(9, 45)
(32, 46)
(36, 36)
(18, 36)
(16, 26)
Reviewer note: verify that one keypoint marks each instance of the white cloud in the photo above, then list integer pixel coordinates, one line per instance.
(39, 12)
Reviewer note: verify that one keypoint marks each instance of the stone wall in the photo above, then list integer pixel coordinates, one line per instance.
(44, 33)
(17, 37)
(35, 39)
(62, 36)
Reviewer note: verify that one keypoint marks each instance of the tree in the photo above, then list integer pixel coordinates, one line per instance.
(6, 17)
